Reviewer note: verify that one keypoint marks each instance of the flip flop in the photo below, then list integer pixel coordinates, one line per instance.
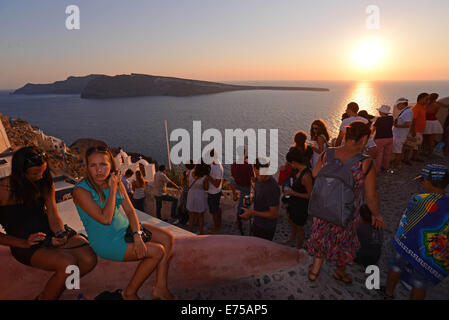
(343, 278)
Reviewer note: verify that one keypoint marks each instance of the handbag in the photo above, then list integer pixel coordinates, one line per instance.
(46, 243)
(146, 235)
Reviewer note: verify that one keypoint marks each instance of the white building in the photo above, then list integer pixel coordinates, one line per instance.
(123, 162)
(50, 143)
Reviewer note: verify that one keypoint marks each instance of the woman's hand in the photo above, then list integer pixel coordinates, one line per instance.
(114, 180)
(289, 192)
(377, 222)
(35, 238)
(140, 249)
(59, 242)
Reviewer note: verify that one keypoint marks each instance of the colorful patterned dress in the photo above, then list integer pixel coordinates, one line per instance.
(338, 244)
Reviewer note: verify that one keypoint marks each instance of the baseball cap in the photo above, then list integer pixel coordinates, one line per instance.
(433, 172)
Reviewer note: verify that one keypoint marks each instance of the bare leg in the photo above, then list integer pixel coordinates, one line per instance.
(201, 222)
(315, 268)
(165, 239)
(155, 253)
(301, 235)
(57, 261)
(392, 281)
(87, 259)
(431, 144)
(292, 236)
(191, 221)
(417, 294)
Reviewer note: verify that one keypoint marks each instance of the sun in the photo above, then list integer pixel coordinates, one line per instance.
(368, 54)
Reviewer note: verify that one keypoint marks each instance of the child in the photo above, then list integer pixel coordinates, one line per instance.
(422, 241)
(370, 240)
(410, 145)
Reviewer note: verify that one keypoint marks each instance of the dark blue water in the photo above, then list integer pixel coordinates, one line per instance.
(137, 124)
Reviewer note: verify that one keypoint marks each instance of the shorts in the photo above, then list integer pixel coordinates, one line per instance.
(213, 201)
(416, 279)
(398, 144)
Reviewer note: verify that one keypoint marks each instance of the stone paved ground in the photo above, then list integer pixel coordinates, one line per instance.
(395, 189)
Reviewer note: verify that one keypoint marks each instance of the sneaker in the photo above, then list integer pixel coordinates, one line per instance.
(176, 221)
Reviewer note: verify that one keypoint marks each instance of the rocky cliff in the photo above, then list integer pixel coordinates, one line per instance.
(20, 134)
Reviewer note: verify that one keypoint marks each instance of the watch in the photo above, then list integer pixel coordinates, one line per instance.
(139, 232)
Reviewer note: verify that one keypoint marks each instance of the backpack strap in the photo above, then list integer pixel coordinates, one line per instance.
(330, 154)
(358, 157)
(371, 163)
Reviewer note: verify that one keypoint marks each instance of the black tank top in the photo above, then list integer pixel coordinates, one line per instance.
(21, 221)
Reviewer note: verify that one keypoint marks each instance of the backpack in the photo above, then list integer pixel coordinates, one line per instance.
(332, 197)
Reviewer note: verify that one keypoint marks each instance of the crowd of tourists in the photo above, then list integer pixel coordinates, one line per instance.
(333, 181)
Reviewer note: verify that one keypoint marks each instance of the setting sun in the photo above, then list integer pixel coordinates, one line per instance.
(368, 54)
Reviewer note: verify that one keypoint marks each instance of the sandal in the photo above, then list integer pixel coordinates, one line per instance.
(315, 275)
(346, 278)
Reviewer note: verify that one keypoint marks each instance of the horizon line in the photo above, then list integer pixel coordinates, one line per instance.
(326, 80)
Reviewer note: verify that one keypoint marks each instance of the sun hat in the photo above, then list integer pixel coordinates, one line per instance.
(384, 109)
(401, 100)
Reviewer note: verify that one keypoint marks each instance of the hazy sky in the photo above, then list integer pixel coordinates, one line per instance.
(222, 40)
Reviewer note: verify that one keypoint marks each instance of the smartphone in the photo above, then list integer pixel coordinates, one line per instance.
(116, 172)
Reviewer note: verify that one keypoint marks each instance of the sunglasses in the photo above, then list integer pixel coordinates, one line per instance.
(315, 128)
(97, 148)
(35, 160)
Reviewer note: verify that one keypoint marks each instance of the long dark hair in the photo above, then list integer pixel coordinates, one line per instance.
(24, 191)
(322, 129)
(139, 178)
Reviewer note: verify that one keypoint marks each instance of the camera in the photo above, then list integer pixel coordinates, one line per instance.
(246, 201)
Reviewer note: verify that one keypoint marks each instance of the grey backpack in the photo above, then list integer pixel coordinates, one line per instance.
(332, 197)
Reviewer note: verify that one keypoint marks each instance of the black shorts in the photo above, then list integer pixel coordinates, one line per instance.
(23, 255)
(298, 216)
(213, 200)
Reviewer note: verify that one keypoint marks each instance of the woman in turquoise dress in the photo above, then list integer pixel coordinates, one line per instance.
(98, 199)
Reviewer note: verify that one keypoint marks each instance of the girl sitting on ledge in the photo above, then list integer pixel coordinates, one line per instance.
(34, 230)
(97, 199)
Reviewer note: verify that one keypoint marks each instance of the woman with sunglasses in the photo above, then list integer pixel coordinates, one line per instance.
(34, 230)
(320, 139)
(98, 198)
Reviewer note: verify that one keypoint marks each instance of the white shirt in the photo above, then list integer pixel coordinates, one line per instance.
(406, 116)
(346, 122)
(216, 172)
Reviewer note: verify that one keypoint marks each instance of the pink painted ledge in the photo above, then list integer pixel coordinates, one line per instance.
(197, 261)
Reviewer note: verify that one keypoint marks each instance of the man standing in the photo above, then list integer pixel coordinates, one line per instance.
(401, 129)
(267, 195)
(419, 122)
(242, 177)
(352, 109)
(214, 192)
(160, 184)
(125, 180)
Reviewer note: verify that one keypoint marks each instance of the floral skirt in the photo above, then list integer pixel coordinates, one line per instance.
(337, 244)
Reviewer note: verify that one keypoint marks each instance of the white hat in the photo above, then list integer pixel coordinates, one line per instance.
(384, 109)
(401, 100)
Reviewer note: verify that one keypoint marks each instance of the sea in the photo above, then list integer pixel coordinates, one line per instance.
(137, 124)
